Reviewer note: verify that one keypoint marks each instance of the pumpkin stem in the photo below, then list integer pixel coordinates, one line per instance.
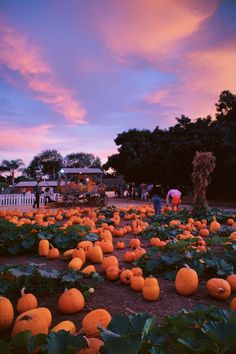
(22, 292)
(220, 290)
(186, 266)
(51, 245)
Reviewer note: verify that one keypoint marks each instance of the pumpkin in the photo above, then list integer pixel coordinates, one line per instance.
(204, 232)
(86, 245)
(139, 252)
(137, 283)
(106, 246)
(95, 254)
(67, 326)
(125, 276)
(53, 252)
(106, 235)
(76, 263)
(233, 304)
(214, 225)
(67, 255)
(26, 302)
(218, 288)
(71, 301)
(120, 245)
(94, 345)
(134, 242)
(6, 313)
(230, 221)
(41, 313)
(137, 271)
(30, 323)
(151, 290)
(231, 279)
(89, 269)
(186, 281)
(232, 236)
(128, 257)
(94, 318)
(109, 261)
(79, 252)
(43, 248)
(112, 272)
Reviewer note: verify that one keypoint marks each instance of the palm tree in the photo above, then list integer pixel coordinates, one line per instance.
(12, 166)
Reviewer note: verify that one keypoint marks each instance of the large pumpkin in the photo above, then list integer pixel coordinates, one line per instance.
(218, 288)
(137, 283)
(26, 302)
(125, 276)
(186, 281)
(71, 301)
(76, 263)
(109, 261)
(93, 319)
(40, 312)
(6, 313)
(32, 323)
(112, 272)
(151, 290)
(95, 254)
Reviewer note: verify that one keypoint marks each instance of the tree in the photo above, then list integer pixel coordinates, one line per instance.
(82, 159)
(48, 162)
(203, 166)
(11, 166)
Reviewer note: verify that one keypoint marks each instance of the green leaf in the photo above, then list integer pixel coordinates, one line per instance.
(49, 273)
(64, 342)
(14, 249)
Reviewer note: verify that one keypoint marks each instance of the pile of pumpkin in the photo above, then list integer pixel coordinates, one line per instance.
(38, 319)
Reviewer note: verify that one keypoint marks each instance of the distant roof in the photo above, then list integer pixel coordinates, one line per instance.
(41, 184)
(82, 170)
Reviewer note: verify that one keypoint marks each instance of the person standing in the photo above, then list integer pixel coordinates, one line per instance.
(156, 194)
(37, 195)
(175, 194)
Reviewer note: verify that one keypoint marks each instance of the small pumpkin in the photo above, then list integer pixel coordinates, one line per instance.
(214, 225)
(79, 252)
(231, 279)
(112, 272)
(94, 345)
(137, 271)
(218, 288)
(67, 326)
(120, 245)
(95, 254)
(151, 289)
(125, 276)
(53, 252)
(43, 248)
(128, 257)
(71, 301)
(89, 269)
(137, 283)
(233, 304)
(186, 281)
(94, 318)
(6, 313)
(109, 261)
(76, 263)
(26, 302)
(134, 242)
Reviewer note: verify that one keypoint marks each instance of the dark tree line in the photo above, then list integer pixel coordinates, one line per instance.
(166, 155)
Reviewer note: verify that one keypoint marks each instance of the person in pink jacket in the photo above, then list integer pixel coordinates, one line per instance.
(175, 194)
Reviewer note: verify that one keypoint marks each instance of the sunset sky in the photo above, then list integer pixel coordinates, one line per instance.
(75, 73)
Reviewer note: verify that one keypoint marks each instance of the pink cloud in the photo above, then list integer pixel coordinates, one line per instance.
(19, 54)
(28, 139)
(151, 28)
(202, 76)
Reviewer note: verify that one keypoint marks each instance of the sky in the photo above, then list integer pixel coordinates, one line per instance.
(76, 73)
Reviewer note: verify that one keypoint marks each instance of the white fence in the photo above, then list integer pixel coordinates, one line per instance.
(18, 199)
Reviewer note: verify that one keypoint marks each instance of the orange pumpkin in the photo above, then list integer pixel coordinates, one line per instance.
(120, 245)
(67, 326)
(218, 288)
(151, 290)
(112, 272)
(134, 242)
(137, 271)
(53, 253)
(129, 256)
(76, 263)
(137, 283)
(186, 281)
(214, 226)
(89, 269)
(95, 254)
(125, 276)
(26, 302)
(71, 301)
(6, 313)
(109, 261)
(79, 252)
(30, 323)
(233, 304)
(231, 279)
(43, 248)
(94, 345)
(94, 318)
